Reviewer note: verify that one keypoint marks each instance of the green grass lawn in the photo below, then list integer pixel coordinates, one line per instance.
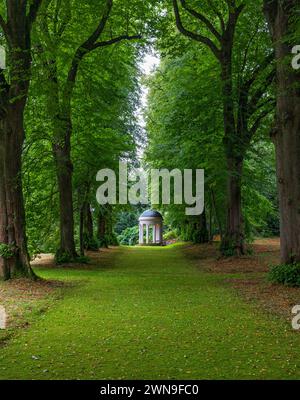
(150, 313)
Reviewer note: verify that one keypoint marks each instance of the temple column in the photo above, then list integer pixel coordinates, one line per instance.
(141, 240)
(160, 233)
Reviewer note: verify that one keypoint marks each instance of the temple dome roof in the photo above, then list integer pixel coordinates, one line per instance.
(151, 214)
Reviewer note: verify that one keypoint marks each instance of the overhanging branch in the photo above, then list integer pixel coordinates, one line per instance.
(267, 61)
(115, 40)
(218, 14)
(87, 46)
(195, 36)
(258, 120)
(260, 91)
(201, 18)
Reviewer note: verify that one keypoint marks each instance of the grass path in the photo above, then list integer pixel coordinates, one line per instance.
(149, 313)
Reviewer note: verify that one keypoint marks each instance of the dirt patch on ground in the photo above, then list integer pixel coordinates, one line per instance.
(262, 254)
(21, 297)
(96, 259)
(253, 286)
(276, 299)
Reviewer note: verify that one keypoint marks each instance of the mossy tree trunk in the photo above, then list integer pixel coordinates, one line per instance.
(17, 26)
(282, 16)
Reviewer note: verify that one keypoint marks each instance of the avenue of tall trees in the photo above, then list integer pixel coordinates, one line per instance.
(225, 97)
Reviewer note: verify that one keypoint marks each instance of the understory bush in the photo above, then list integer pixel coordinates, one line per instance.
(66, 258)
(130, 236)
(171, 235)
(286, 274)
(109, 240)
(90, 243)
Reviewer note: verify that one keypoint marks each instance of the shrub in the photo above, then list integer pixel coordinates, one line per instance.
(171, 235)
(286, 274)
(130, 236)
(109, 240)
(66, 258)
(90, 243)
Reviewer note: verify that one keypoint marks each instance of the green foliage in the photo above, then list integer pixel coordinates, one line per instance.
(66, 258)
(109, 239)
(130, 236)
(285, 274)
(6, 251)
(82, 260)
(260, 199)
(171, 235)
(90, 243)
(127, 219)
(104, 105)
(200, 235)
(185, 117)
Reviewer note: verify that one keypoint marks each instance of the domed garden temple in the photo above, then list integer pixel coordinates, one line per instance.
(151, 228)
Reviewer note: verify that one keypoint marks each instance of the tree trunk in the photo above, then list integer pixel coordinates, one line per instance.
(14, 259)
(218, 220)
(210, 221)
(102, 228)
(12, 215)
(4, 267)
(88, 222)
(64, 171)
(201, 235)
(281, 16)
(88, 228)
(81, 238)
(233, 239)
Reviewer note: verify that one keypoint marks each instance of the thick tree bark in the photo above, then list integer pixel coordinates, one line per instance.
(64, 171)
(233, 239)
(281, 16)
(13, 97)
(12, 219)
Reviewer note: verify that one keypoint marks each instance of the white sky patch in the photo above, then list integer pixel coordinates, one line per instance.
(150, 62)
(148, 66)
